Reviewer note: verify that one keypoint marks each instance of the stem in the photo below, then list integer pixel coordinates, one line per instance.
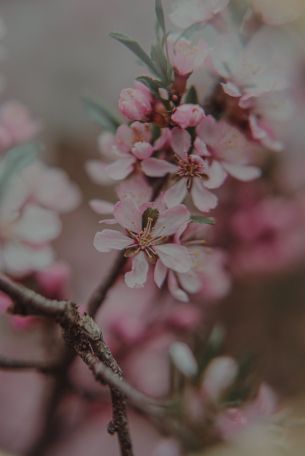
(39, 366)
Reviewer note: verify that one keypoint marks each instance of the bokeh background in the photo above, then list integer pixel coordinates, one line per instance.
(55, 51)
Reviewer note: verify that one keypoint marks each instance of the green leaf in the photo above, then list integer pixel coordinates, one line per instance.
(134, 47)
(15, 160)
(160, 16)
(152, 84)
(101, 115)
(192, 96)
(203, 220)
(161, 63)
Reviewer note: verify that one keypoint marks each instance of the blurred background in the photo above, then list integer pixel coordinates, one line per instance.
(55, 51)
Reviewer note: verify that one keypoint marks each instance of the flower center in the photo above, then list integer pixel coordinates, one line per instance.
(145, 241)
(190, 168)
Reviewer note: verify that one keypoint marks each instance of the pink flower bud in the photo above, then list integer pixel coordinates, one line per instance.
(188, 115)
(135, 104)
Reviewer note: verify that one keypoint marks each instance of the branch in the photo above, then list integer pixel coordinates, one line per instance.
(85, 337)
(14, 364)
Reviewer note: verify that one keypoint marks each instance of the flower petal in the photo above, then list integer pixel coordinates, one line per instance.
(120, 168)
(242, 172)
(181, 142)
(175, 290)
(216, 175)
(171, 220)
(174, 256)
(107, 240)
(202, 198)
(176, 194)
(136, 278)
(159, 273)
(101, 207)
(37, 225)
(154, 167)
(128, 215)
(96, 170)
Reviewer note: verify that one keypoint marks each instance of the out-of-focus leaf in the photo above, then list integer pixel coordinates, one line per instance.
(161, 62)
(15, 160)
(134, 47)
(101, 115)
(160, 16)
(192, 96)
(203, 220)
(152, 84)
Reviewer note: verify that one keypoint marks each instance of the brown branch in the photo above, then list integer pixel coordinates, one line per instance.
(85, 337)
(39, 366)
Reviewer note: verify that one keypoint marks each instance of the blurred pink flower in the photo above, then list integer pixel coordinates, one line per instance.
(16, 125)
(184, 14)
(186, 56)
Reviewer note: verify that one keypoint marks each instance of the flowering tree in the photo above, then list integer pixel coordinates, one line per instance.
(186, 149)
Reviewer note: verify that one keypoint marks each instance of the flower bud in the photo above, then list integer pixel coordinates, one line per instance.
(135, 103)
(188, 115)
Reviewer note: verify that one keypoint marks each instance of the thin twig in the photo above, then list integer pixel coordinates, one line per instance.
(17, 364)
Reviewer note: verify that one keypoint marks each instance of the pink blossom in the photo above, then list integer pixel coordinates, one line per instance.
(185, 56)
(130, 145)
(184, 14)
(207, 277)
(192, 173)
(226, 149)
(253, 69)
(16, 125)
(136, 103)
(188, 115)
(146, 238)
(269, 236)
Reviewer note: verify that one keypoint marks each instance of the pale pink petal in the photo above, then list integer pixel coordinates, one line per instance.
(231, 89)
(171, 220)
(108, 221)
(135, 188)
(202, 198)
(120, 168)
(201, 147)
(216, 175)
(97, 171)
(142, 150)
(175, 290)
(181, 142)
(176, 193)
(136, 278)
(37, 225)
(19, 259)
(107, 240)
(128, 215)
(154, 167)
(160, 273)
(242, 172)
(190, 282)
(101, 207)
(175, 257)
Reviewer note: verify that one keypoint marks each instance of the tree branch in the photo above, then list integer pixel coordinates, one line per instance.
(39, 366)
(85, 337)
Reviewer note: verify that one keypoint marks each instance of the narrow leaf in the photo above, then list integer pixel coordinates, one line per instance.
(192, 96)
(160, 15)
(134, 47)
(101, 115)
(203, 220)
(152, 84)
